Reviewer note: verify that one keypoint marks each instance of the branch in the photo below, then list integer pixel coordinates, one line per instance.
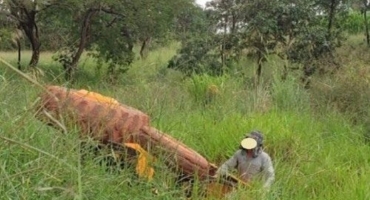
(45, 7)
(110, 11)
(51, 4)
(111, 23)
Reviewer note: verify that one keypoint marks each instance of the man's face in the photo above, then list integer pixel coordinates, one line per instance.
(250, 152)
(248, 143)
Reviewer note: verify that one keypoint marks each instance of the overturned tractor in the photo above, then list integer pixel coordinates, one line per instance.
(109, 122)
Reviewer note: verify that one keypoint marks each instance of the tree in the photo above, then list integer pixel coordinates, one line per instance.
(199, 52)
(365, 8)
(331, 8)
(293, 30)
(110, 29)
(24, 14)
(190, 21)
(230, 19)
(11, 35)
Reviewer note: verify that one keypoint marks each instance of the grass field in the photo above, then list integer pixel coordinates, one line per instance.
(317, 150)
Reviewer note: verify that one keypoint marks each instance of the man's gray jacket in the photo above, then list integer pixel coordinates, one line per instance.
(248, 167)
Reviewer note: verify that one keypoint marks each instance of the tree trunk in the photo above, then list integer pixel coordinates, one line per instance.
(84, 36)
(366, 25)
(19, 53)
(31, 30)
(223, 46)
(259, 67)
(331, 19)
(144, 50)
(35, 43)
(233, 23)
(127, 34)
(16, 37)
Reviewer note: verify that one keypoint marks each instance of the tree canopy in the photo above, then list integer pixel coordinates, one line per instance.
(212, 38)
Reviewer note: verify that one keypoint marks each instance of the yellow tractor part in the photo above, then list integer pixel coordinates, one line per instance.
(106, 120)
(97, 97)
(143, 168)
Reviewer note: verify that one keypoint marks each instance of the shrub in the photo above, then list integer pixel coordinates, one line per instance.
(204, 88)
(347, 93)
(5, 40)
(197, 57)
(289, 94)
(353, 23)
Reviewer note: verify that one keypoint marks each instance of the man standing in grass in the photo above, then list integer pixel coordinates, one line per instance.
(250, 161)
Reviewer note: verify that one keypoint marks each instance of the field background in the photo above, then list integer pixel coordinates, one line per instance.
(317, 137)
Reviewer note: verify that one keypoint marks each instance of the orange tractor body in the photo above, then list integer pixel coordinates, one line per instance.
(107, 121)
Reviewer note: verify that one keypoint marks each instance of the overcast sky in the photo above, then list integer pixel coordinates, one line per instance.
(201, 2)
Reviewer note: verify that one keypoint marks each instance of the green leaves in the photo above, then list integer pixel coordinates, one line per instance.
(297, 31)
(112, 30)
(197, 56)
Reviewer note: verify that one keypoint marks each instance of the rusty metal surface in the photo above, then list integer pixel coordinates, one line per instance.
(106, 120)
(189, 161)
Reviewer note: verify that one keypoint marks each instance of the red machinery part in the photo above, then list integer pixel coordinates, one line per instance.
(106, 120)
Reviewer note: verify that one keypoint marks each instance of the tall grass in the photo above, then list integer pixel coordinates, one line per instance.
(317, 155)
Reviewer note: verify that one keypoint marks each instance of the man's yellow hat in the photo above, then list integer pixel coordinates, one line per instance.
(248, 143)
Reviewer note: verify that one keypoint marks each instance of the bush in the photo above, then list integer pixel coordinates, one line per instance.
(204, 88)
(289, 94)
(197, 57)
(5, 40)
(353, 23)
(347, 93)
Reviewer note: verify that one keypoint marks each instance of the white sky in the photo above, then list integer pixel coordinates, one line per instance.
(202, 2)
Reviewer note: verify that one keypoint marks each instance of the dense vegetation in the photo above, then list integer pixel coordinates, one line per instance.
(205, 77)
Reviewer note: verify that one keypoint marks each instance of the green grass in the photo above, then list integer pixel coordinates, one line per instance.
(317, 154)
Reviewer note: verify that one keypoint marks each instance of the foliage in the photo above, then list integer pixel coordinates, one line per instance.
(227, 31)
(354, 23)
(197, 56)
(107, 27)
(344, 94)
(204, 88)
(5, 39)
(191, 22)
(24, 14)
(291, 29)
(300, 126)
(288, 94)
